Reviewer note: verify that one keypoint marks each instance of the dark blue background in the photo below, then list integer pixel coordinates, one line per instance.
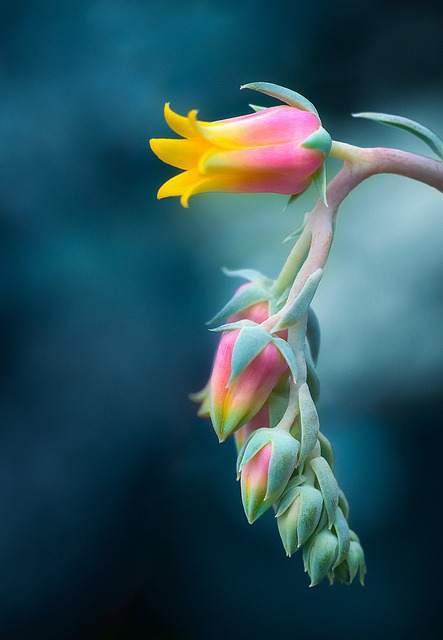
(119, 515)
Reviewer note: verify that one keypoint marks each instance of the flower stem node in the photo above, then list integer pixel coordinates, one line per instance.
(265, 464)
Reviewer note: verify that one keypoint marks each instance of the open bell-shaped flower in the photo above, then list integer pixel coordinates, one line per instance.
(275, 150)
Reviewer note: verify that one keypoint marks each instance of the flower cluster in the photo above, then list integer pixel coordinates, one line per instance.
(263, 388)
(258, 392)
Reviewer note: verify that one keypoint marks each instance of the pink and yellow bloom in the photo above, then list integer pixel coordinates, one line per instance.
(260, 152)
(234, 404)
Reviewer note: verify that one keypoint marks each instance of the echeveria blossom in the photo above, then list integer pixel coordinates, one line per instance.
(233, 404)
(261, 152)
(265, 464)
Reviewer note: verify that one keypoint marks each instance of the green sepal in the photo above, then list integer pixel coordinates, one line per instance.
(354, 536)
(311, 503)
(319, 140)
(319, 180)
(247, 296)
(307, 553)
(341, 572)
(297, 525)
(342, 501)
(277, 405)
(313, 334)
(301, 303)
(328, 455)
(425, 134)
(322, 556)
(328, 486)
(282, 462)
(248, 274)
(285, 95)
(294, 234)
(309, 422)
(256, 107)
(322, 523)
(291, 200)
(290, 493)
(343, 536)
(355, 561)
(232, 326)
(275, 305)
(287, 354)
(249, 343)
(284, 449)
(202, 397)
(311, 374)
(256, 441)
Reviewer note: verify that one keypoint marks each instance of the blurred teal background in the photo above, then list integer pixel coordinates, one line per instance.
(120, 515)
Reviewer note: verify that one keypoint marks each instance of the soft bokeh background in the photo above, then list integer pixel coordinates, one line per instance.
(120, 516)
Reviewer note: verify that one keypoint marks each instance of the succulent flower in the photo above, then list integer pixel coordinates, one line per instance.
(234, 402)
(265, 464)
(274, 150)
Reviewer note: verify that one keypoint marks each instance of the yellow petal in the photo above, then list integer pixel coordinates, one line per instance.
(183, 154)
(227, 183)
(177, 185)
(179, 124)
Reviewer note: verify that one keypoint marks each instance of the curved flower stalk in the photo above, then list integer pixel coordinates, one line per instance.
(264, 386)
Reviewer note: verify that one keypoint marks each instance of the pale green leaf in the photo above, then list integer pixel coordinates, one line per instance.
(422, 132)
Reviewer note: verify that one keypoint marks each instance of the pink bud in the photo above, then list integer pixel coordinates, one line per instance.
(233, 405)
(254, 483)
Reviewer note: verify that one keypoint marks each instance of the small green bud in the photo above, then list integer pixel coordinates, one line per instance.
(322, 555)
(298, 519)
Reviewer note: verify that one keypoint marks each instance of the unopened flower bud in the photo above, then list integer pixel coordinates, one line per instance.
(298, 515)
(321, 555)
(354, 562)
(235, 402)
(265, 464)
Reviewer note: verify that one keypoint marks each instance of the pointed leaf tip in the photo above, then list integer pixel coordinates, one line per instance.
(417, 129)
(320, 140)
(249, 343)
(319, 180)
(292, 98)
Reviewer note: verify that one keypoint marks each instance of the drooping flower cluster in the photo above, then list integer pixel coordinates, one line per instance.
(280, 464)
(263, 387)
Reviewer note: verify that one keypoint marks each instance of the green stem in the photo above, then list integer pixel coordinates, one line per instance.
(346, 152)
(292, 263)
(360, 164)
